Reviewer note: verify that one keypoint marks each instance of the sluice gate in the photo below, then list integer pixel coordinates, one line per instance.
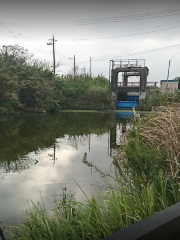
(121, 90)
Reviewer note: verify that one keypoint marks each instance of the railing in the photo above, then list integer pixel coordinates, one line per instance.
(1, 234)
(163, 225)
(136, 84)
(124, 63)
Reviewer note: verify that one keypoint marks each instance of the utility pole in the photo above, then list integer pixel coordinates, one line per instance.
(168, 75)
(90, 67)
(74, 66)
(53, 43)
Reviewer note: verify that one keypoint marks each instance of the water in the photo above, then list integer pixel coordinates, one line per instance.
(41, 154)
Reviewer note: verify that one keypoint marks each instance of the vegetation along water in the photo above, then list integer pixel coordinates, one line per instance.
(28, 84)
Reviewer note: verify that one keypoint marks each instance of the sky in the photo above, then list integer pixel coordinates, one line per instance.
(103, 30)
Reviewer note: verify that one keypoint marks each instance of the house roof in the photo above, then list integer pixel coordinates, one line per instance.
(173, 80)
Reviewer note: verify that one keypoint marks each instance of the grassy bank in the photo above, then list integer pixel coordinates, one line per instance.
(147, 181)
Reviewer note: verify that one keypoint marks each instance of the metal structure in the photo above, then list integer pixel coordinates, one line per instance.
(130, 63)
(128, 68)
(136, 84)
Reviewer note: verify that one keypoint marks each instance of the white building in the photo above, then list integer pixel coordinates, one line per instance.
(169, 85)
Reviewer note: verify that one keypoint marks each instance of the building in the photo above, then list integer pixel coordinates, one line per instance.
(169, 85)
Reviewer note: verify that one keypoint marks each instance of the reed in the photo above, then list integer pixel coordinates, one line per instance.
(163, 127)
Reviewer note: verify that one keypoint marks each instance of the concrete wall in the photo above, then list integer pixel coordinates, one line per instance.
(172, 86)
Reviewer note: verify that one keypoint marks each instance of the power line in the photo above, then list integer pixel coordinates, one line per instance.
(107, 57)
(152, 50)
(128, 18)
(8, 22)
(128, 35)
(61, 55)
(95, 60)
(14, 32)
(175, 54)
(9, 30)
(131, 15)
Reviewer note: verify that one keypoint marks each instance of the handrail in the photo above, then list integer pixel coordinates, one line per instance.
(161, 225)
(135, 84)
(124, 63)
(1, 234)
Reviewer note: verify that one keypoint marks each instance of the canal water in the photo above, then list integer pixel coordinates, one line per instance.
(41, 154)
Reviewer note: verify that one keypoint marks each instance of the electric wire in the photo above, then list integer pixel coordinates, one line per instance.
(110, 56)
(151, 50)
(143, 46)
(128, 18)
(126, 35)
(131, 15)
(175, 54)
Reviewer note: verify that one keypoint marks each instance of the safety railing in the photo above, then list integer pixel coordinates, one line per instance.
(136, 84)
(127, 63)
(1, 234)
(163, 225)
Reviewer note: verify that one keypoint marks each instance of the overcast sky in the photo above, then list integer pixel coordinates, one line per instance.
(103, 30)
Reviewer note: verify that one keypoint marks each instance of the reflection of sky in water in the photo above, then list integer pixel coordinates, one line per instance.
(36, 174)
(47, 177)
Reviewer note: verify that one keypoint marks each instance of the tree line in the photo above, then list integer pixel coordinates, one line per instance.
(29, 83)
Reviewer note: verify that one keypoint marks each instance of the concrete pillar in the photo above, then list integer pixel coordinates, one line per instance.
(113, 143)
(142, 96)
(143, 80)
(114, 100)
(125, 80)
(114, 76)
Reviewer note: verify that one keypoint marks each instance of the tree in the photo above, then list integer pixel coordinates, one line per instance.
(15, 55)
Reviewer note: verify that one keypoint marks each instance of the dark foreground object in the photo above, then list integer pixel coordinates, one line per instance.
(1, 234)
(164, 225)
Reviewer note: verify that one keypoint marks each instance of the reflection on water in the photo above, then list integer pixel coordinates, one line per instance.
(41, 154)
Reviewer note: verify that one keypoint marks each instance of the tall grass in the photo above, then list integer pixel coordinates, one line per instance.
(163, 127)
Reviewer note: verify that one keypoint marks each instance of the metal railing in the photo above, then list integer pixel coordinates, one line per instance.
(127, 63)
(136, 84)
(1, 234)
(163, 225)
